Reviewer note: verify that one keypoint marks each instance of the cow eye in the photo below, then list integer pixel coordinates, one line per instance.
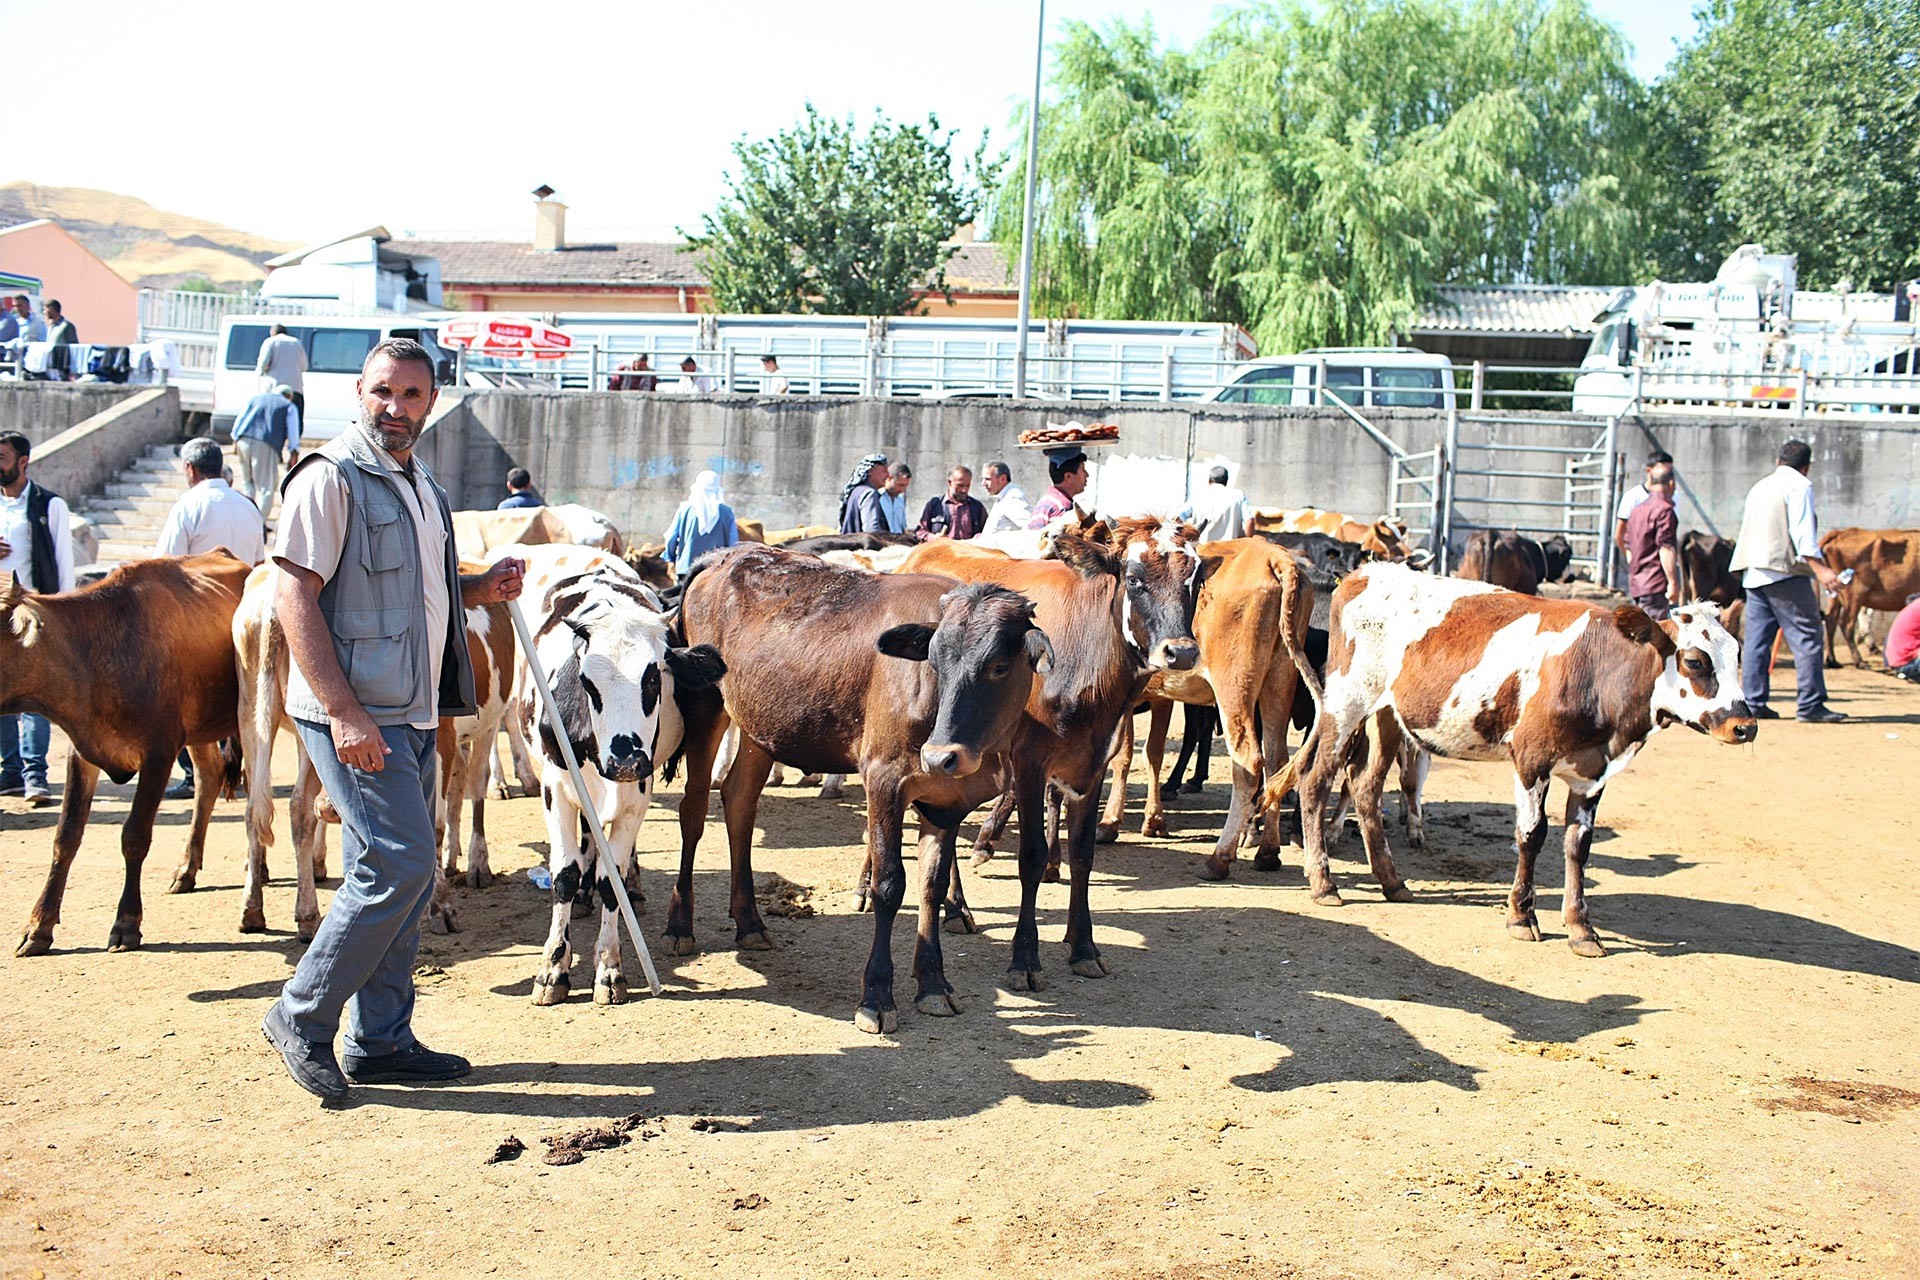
(1693, 664)
(999, 670)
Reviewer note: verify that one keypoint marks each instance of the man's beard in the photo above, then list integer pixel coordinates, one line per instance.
(391, 438)
(10, 478)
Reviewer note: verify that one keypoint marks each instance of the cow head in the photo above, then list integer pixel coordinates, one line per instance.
(1159, 570)
(616, 676)
(984, 655)
(1699, 680)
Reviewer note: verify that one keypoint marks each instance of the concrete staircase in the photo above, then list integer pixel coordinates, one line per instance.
(128, 515)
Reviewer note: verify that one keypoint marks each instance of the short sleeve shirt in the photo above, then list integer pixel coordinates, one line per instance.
(313, 533)
(1652, 526)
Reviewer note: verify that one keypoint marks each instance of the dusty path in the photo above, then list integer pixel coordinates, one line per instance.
(1262, 1088)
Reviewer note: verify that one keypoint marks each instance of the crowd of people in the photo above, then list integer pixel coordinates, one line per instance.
(638, 374)
(21, 329)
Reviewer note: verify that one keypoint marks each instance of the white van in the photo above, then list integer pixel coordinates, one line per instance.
(336, 348)
(1387, 377)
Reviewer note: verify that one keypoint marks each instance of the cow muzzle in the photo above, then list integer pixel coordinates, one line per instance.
(949, 760)
(1734, 725)
(1175, 655)
(626, 760)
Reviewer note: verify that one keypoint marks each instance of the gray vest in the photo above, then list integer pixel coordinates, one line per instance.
(375, 603)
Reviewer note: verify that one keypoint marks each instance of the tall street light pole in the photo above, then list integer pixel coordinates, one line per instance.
(1026, 217)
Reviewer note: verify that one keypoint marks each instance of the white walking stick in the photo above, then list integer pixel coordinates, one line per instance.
(580, 789)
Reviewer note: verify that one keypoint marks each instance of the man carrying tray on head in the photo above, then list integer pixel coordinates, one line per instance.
(1067, 469)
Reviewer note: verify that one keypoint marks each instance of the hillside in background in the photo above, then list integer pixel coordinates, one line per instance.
(148, 246)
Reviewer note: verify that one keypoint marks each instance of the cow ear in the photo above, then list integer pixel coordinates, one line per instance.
(1039, 651)
(694, 669)
(1635, 625)
(1084, 555)
(909, 640)
(10, 592)
(564, 681)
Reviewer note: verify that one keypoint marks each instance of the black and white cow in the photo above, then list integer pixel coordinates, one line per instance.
(604, 646)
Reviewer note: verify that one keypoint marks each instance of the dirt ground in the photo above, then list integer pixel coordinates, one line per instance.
(1261, 1088)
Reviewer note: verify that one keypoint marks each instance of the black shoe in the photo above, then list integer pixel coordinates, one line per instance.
(1765, 713)
(309, 1062)
(416, 1064)
(181, 790)
(12, 787)
(1822, 715)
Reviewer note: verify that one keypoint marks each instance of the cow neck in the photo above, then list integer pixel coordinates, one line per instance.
(1623, 686)
(48, 659)
(1096, 663)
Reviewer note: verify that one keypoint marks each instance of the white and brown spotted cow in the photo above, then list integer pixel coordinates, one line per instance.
(1559, 688)
(467, 744)
(615, 678)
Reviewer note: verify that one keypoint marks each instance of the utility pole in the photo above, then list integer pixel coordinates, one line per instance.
(1026, 217)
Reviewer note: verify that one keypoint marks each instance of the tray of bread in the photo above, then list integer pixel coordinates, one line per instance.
(1056, 434)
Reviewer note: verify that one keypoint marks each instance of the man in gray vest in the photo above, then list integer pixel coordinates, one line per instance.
(371, 597)
(1779, 552)
(266, 428)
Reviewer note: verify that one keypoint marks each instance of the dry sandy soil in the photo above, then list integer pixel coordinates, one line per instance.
(1261, 1088)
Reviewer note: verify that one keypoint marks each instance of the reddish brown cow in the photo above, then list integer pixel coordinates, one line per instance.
(1506, 559)
(1114, 616)
(133, 668)
(1558, 688)
(915, 681)
(1886, 568)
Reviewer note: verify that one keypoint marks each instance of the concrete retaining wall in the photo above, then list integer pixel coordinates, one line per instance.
(784, 460)
(81, 459)
(42, 410)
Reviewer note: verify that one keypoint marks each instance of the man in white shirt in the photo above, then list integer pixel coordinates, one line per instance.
(1779, 552)
(1010, 510)
(893, 498)
(1219, 510)
(691, 381)
(36, 546)
(284, 360)
(211, 513)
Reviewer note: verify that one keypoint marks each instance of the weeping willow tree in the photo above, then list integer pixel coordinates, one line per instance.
(1311, 173)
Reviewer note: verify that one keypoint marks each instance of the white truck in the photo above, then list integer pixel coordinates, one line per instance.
(1751, 340)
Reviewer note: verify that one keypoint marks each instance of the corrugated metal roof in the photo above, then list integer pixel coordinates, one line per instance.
(1532, 310)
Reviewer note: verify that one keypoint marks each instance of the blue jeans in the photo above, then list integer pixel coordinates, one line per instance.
(1909, 672)
(23, 748)
(361, 960)
(1792, 607)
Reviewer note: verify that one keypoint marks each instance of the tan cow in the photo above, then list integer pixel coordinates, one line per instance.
(1383, 539)
(1886, 567)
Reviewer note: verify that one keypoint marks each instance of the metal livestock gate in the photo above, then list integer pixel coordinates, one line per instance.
(1538, 489)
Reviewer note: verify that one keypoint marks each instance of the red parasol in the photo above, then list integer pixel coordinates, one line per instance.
(508, 337)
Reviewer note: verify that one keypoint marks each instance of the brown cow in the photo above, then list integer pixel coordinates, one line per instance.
(915, 681)
(1504, 558)
(1558, 688)
(1114, 615)
(1383, 539)
(132, 668)
(1886, 568)
(1250, 617)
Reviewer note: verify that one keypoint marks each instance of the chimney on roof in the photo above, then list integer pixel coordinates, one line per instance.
(549, 221)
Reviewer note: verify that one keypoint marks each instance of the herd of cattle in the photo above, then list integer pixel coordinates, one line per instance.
(966, 674)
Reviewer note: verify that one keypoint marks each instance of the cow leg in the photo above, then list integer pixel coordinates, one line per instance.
(309, 843)
(1831, 620)
(1369, 783)
(1529, 833)
(1850, 628)
(136, 838)
(479, 868)
(1083, 957)
(1121, 765)
(833, 786)
(76, 804)
(1207, 724)
(522, 760)
(703, 739)
(257, 757)
(555, 977)
(740, 803)
(1052, 874)
(448, 791)
(1315, 785)
(1159, 716)
(1414, 764)
(1186, 748)
(1220, 863)
(959, 916)
(1583, 802)
(933, 994)
(876, 1014)
(1028, 789)
(993, 827)
(210, 765)
(442, 915)
(609, 982)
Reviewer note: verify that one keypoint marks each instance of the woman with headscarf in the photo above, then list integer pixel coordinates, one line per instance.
(703, 523)
(860, 509)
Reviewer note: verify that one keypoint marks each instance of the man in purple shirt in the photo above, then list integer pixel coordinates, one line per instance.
(1652, 536)
(954, 514)
(1067, 469)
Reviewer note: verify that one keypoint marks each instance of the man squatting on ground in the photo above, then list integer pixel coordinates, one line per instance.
(370, 584)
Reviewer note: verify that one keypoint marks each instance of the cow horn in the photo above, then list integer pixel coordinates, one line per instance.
(10, 592)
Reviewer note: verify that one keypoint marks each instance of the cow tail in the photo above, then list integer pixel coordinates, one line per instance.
(1283, 782)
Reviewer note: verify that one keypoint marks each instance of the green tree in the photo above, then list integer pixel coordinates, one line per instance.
(1312, 172)
(823, 218)
(1796, 123)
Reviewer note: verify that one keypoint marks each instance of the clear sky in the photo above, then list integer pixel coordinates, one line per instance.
(306, 121)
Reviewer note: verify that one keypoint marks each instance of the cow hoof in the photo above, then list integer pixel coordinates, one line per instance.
(305, 929)
(833, 793)
(1193, 788)
(1588, 947)
(759, 940)
(253, 921)
(1329, 898)
(614, 992)
(1214, 869)
(810, 779)
(982, 854)
(1525, 931)
(1155, 826)
(937, 1005)
(1398, 893)
(862, 903)
(1089, 967)
(1051, 875)
(445, 920)
(554, 992)
(123, 938)
(479, 878)
(960, 921)
(34, 946)
(183, 882)
(881, 1022)
(1026, 980)
(681, 944)
(1266, 860)
(1106, 833)
(581, 909)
